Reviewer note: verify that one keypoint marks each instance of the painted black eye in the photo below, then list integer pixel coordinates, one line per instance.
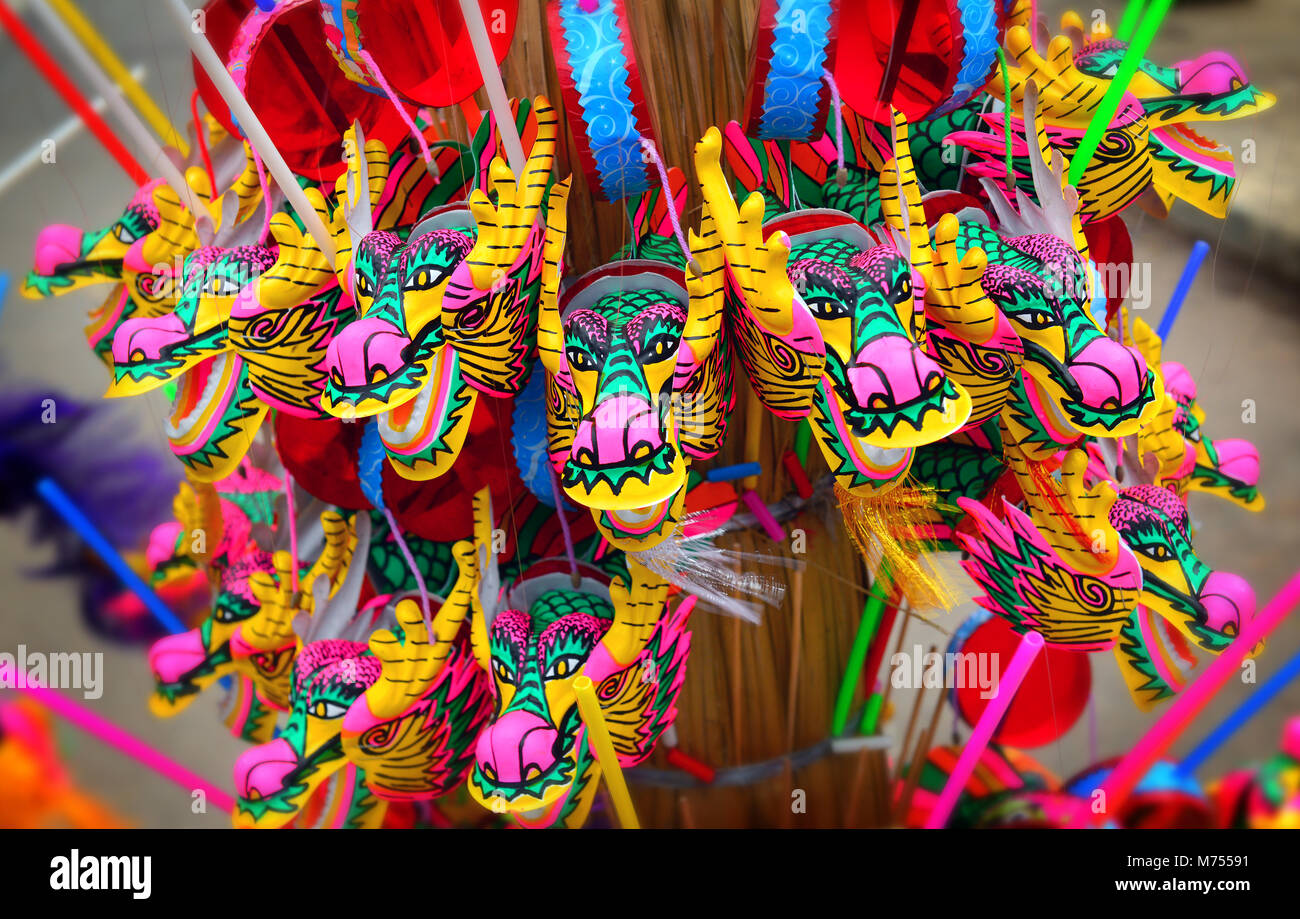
(904, 291)
(1158, 552)
(579, 359)
(1035, 320)
(658, 347)
(827, 308)
(217, 286)
(364, 288)
(424, 279)
(324, 708)
(122, 234)
(563, 667)
(503, 673)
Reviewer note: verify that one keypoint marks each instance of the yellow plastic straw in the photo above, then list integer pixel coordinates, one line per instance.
(598, 737)
(87, 34)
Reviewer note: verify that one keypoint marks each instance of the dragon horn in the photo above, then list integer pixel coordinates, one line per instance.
(637, 609)
(330, 618)
(900, 200)
(336, 553)
(247, 186)
(550, 333)
(357, 209)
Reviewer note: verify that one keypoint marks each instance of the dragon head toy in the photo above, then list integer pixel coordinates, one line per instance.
(403, 708)
(448, 311)
(827, 321)
(68, 258)
(533, 760)
(1209, 608)
(247, 634)
(638, 385)
(1059, 567)
(1212, 87)
(1149, 153)
(1076, 379)
(1227, 467)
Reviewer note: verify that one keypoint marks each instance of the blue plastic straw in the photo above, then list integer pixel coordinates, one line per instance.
(731, 473)
(58, 499)
(1199, 252)
(1247, 710)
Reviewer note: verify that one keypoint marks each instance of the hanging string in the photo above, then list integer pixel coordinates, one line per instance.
(415, 570)
(293, 528)
(401, 110)
(266, 195)
(648, 146)
(201, 135)
(370, 468)
(841, 176)
(564, 525)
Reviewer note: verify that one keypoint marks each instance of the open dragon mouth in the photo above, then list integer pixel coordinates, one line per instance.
(1057, 397)
(1190, 139)
(202, 395)
(373, 368)
(537, 795)
(925, 419)
(150, 352)
(69, 276)
(638, 521)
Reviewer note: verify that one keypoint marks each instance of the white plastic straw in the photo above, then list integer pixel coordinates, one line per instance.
(496, 90)
(253, 130)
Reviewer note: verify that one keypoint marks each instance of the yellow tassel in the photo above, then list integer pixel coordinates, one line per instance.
(888, 527)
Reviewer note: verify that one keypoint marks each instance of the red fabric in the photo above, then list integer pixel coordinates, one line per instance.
(321, 455)
(423, 48)
(1109, 244)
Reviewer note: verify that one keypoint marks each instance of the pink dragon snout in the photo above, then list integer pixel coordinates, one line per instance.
(1238, 460)
(1229, 602)
(147, 337)
(1110, 375)
(892, 372)
(517, 748)
(260, 772)
(364, 347)
(623, 429)
(1213, 73)
(57, 244)
(172, 657)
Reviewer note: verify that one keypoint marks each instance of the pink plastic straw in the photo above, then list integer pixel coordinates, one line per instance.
(1030, 644)
(1188, 703)
(763, 516)
(114, 736)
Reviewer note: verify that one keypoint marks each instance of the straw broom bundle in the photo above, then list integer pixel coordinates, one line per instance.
(693, 59)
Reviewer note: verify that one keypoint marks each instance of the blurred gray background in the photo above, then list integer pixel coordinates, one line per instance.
(1238, 334)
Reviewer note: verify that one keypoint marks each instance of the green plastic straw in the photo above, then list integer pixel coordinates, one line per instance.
(1006, 121)
(871, 715)
(1128, 22)
(871, 614)
(1146, 32)
(802, 438)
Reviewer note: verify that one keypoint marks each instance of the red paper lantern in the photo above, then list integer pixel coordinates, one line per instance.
(1052, 697)
(295, 87)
